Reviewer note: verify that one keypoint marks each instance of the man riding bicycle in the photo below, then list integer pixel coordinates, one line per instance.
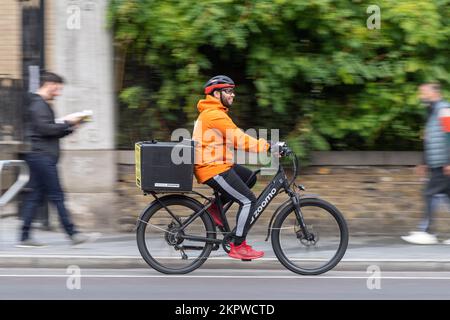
(216, 136)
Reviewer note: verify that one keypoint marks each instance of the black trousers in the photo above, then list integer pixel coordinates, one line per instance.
(233, 187)
(44, 180)
(439, 183)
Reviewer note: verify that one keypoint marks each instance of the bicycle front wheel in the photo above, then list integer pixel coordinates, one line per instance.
(320, 250)
(161, 242)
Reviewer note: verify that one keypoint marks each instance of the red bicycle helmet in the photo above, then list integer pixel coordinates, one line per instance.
(218, 82)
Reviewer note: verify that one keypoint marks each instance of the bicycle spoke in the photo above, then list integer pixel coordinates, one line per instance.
(164, 246)
(293, 240)
(313, 250)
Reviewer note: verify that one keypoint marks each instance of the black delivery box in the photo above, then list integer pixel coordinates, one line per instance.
(164, 166)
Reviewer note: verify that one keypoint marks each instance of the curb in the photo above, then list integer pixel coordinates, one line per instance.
(122, 262)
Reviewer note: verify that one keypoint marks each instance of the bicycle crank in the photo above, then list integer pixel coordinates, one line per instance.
(226, 242)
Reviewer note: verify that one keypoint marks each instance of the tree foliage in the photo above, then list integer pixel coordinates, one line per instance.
(313, 69)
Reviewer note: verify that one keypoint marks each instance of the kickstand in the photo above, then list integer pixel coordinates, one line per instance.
(183, 255)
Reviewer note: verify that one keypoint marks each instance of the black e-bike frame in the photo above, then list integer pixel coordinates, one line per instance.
(279, 183)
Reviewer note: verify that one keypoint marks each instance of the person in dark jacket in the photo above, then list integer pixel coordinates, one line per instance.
(43, 132)
(436, 159)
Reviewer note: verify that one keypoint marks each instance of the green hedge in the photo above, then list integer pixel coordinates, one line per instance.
(313, 69)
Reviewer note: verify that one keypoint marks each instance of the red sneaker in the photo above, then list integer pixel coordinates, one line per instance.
(244, 252)
(214, 212)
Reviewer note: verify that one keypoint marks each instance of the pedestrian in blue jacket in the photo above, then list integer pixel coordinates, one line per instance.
(436, 159)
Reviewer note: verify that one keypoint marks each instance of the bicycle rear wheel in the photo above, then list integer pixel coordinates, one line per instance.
(323, 250)
(159, 241)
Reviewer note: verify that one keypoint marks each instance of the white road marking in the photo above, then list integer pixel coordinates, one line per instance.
(212, 258)
(218, 276)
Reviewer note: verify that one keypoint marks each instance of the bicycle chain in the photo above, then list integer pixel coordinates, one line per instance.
(216, 232)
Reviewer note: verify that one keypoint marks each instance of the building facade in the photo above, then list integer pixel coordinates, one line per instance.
(70, 38)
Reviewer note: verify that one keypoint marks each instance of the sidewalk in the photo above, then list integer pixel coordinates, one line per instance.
(119, 250)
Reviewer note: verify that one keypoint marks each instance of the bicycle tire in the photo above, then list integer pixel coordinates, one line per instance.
(191, 204)
(343, 229)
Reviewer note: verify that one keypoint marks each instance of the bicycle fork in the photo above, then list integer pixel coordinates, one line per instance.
(298, 214)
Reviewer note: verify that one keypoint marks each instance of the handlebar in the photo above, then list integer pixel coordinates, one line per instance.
(285, 151)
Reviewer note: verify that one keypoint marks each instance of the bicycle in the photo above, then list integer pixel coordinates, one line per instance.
(309, 235)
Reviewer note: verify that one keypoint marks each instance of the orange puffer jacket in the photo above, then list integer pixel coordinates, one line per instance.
(216, 136)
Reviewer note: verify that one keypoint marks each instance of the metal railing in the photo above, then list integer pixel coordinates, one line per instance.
(22, 180)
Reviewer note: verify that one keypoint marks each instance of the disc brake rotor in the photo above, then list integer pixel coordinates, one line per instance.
(312, 238)
(173, 235)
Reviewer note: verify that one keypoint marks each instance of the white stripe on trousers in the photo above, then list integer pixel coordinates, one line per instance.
(246, 204)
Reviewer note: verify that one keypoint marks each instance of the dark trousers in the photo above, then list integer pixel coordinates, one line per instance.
(44, 180)
(233, 187)
(439, 183)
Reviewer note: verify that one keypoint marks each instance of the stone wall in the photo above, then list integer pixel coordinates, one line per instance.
(375, 200)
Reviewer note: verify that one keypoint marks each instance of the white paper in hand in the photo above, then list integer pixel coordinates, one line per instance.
(85, 116)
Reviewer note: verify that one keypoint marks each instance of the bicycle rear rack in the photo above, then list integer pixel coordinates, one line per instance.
(22, 180)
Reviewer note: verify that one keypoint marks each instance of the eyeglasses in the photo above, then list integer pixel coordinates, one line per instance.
(228, 91)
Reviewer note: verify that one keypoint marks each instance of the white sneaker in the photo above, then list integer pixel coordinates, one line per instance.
(30, 243)
(79, 238)
(446, 241)
(420, 237)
